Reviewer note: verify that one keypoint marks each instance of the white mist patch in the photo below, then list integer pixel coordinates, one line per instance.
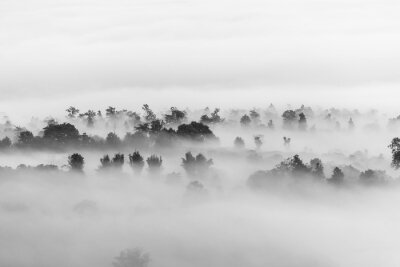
(311, 226)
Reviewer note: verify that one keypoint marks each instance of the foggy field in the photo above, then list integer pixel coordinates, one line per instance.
(199, 133)
(221, 211)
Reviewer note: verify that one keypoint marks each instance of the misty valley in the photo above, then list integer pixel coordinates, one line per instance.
(266, 186)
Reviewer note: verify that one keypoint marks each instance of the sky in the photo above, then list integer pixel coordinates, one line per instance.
(59, 53)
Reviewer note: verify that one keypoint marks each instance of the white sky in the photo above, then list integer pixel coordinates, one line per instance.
(55, 53)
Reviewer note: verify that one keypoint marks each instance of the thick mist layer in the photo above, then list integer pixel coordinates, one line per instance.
(230, 187)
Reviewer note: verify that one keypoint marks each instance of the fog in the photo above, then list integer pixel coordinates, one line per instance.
(69, 218)
(199, 133)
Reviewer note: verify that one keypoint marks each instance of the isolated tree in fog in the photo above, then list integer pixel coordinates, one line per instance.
(395, 147)
(76, 162)
(239, 143)
(337, 176)
(136, 161)
(245, 120)
(154, 162)
(289, 117)
(105, 162)
(317, 168)
(132, 258)
(258, 141)
(118, 160)
(195, 166)
(72, 112)
(302, 121)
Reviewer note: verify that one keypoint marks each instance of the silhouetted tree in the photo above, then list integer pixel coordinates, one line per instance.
(25, 138)
(72, 112)
(136, 161)
(395, 147)
(149, 115)
(337, 176)
(118, 160)
(5, 143)
(195, 166)
(289, 117)
(213, 118)
(317, 168)
(293, 166)
(156, 126)
(245, 120)
(76, 162)
(176, 117)
(113, 140)
(132, 258)
(60, 134)
(111, 112)
(154, 162)
(302, 121)
(90, 115)
(195, 131)
(105, 162)
(239, 143)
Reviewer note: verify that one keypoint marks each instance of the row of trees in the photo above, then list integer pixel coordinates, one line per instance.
(60, 136)
(195, 166)
(291, 118)
(295, 168)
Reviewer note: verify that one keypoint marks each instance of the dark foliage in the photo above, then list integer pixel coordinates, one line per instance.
(395, 147)
(113, 140)
(213, 118)
(289, 117)
(5, 143)
(195, 131)
(302, 122)
(196, 166)
(60, 134)
(154, 162)
(176, 117)
(245, 120)
(136, 161)
(337, 176)
(76, 162)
